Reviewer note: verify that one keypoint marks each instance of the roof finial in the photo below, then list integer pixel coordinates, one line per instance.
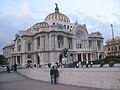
(56, 9)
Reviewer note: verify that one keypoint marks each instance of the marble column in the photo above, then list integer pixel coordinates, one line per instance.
(35, 44)
(96, 46)
(82, 57)
(20, 59)
(91, 56)
(65, 42)
(87, 44)
(74, 43)
(52, 42)
(56, 42)
(23, 45)
(46, 43)
(42, 42)
(101, 44)
(77, 56)
(87, 56)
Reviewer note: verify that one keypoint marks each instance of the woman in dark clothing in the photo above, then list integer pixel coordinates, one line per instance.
(15, 67)
(8, 68)
(56, 75)
(52, 74)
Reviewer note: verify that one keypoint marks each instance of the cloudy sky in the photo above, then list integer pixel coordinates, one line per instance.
(16, 15)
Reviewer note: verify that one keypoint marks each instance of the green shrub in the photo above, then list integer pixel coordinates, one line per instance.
(115, 59)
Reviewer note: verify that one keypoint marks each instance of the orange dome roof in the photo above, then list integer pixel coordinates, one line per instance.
(39, 25)
(57, 16)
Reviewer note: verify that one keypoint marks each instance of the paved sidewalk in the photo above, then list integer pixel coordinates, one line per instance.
(15, 81)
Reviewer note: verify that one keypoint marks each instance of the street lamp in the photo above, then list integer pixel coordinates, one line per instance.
(113, 38)
(112, 32)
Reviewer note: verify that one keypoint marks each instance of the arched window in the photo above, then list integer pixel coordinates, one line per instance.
(99, 44)
(79, 38)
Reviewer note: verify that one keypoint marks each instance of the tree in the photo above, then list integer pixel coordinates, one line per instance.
(2, 59)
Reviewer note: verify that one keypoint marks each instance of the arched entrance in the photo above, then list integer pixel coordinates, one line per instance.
(38, 58)
(100, 56)
(79, 58)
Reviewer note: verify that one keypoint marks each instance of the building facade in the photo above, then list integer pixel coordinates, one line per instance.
(44, 42)
(112, 47)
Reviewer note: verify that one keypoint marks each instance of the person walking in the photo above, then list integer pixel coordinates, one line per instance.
(15, 67)
(52, 71)
(8, 68)
(56, 75)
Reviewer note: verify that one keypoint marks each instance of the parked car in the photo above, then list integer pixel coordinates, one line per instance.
(19, 66)
(4, 66)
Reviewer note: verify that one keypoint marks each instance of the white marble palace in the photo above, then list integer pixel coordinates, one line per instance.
(44, 42)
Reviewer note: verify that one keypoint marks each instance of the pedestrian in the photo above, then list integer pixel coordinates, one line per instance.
(49, 65)
(111, 64)
(52, 70)
(101, 64)
(91, 63)
(8, 68)
(56, 75)
(87, 64)
(79, 64)
(82, 63)
(15, 67)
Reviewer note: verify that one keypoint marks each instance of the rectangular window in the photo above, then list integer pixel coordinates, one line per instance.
(112, 49)
(115, 48)
(99, 44)
(70, 43)
(58, 44)
(12, 49)
(29, 47)
(60, 41)
(19, 48)
(38, 42)
(28, 56)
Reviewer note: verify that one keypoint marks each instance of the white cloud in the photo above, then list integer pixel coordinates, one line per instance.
(10, 25)
(95, 24)
(98, 1)
(24, 10)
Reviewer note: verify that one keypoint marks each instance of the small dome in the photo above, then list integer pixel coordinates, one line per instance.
(57, 16)
(39, 25)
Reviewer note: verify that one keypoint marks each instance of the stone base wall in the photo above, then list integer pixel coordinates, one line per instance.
(106, 78)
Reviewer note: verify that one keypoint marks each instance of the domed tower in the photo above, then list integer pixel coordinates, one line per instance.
(57, 18)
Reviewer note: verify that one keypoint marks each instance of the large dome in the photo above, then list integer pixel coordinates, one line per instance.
(57, 16)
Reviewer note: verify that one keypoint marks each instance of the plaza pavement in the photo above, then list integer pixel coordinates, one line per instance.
(15, 81)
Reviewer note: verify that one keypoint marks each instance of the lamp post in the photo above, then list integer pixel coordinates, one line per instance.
(113, 38)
